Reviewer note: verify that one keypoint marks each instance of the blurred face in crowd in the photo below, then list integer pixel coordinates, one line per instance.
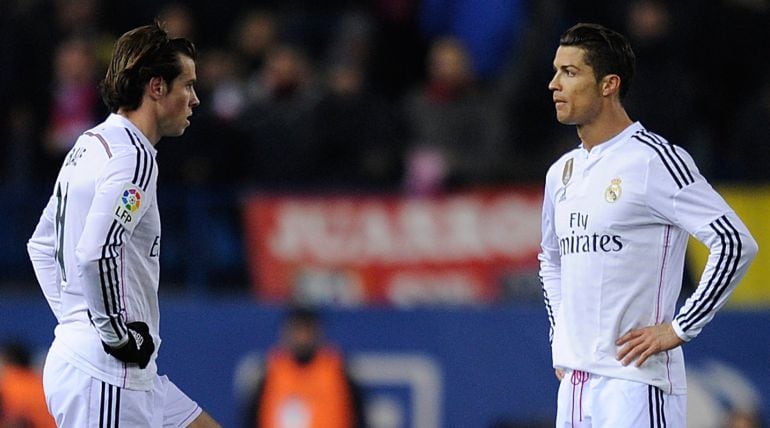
(576, 93)
(178, 101)
(302, 338)
(449, 63)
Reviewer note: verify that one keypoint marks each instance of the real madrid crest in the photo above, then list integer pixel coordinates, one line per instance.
(566, 174)
(613, 192)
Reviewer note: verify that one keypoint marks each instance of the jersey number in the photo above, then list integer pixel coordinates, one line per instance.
(61, 209)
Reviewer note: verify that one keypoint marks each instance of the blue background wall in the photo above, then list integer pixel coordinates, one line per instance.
(495, 363)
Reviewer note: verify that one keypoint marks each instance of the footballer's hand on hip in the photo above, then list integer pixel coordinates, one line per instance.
(642, 343)
(139, 347)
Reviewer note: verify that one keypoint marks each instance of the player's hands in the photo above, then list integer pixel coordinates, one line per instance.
(559, 374)
(138, 349)
(642, 343)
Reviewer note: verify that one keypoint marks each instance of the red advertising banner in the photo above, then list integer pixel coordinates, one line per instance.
(391, 250)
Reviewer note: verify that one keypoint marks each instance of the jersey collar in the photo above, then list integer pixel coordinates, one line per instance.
(118, 120)
(602, 148)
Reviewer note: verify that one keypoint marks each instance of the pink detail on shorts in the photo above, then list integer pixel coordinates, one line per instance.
(578, 378)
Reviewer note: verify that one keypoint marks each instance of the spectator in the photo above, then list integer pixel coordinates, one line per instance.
(256, 32)
(178, 20)
(22, 401)
(356, 134)
(276, 117)
(451, 130)
(76, 105)
(650, 27)
(305, 381)
(749, 155)
(490, 30)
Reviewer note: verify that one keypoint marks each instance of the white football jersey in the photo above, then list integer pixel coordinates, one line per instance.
(615, 227)
(96, 248)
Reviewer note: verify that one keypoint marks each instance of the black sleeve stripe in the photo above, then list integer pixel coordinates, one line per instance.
(699, 306)
(143, 157)
(138, 157)
(109, 278)
(726, 271)
(143, 181)
(684, 165)
(664, 151)
(662, 158)
(673, 155)
(152, 167)
(548, 308)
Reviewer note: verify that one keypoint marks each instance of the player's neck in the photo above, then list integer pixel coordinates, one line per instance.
(144, 121)
(607, 125)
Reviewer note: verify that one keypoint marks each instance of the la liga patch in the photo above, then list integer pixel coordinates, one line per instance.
(129, 205)
(132, 199)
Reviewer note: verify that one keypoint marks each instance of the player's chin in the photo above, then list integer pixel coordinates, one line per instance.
(181, 128)
(565, 119)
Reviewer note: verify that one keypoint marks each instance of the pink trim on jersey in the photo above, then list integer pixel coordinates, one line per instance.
(666, 245)
(123, 283)
(668, 373)
(101, 140)
(123, 297)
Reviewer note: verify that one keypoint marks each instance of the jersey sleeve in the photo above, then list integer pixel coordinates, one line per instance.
(41, 248)
(118, 204)
(682, 196)
(549, 257)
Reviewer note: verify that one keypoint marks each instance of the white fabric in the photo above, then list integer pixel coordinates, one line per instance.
(615, 227)
(77, 400)
(592, 401)
(96, 250)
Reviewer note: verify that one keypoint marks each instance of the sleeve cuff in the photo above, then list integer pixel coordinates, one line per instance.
(679, 332)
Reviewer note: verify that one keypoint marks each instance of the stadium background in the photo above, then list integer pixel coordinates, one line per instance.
(383, 159)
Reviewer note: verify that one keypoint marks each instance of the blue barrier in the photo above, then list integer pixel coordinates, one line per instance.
(478, 366)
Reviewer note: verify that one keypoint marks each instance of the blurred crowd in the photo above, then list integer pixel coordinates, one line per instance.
(385, 95)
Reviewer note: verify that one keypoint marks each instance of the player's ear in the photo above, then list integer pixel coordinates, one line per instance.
(610, 84)
(157, 87)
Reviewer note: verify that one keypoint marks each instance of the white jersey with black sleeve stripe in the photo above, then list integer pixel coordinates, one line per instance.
(96, 249)
(616, 221)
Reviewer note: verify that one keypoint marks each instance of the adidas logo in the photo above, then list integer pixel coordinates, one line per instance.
(138, 338)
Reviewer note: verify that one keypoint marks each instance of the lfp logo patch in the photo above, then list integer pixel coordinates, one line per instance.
(129, 207)
(132, 199)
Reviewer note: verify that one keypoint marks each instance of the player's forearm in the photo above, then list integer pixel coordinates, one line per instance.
(102, 291)
(552, 300)
(732, 249)
(550, 281)
(42, 253)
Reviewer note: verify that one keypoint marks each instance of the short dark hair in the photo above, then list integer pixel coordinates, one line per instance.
(139, 55)
(606, 51)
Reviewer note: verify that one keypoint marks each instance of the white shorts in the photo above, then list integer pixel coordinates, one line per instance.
(78, 400)
(590, 401)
